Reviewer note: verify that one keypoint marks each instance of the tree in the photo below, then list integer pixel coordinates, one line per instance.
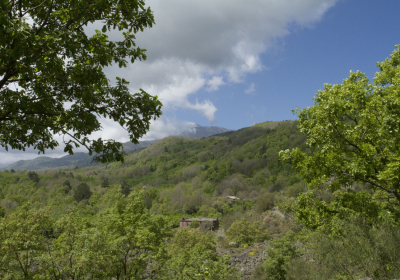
(192, 255)
(67, 186)
(22, 240)
(105, 183)
(134, 237)
(354, 128)
(32, 175)
(125, 188)
(82, 192)
(245, 233)
(280, 252)
(52, 79)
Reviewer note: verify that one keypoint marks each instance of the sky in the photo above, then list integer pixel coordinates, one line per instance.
(237, 63)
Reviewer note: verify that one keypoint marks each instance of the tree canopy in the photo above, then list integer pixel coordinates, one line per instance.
(354, 127)
(51, 74)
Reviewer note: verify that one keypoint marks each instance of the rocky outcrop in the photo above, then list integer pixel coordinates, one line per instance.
(247, 261)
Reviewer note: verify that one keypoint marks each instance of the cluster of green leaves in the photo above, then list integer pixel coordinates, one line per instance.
(351, 212)
(243, 232)
(119, 243)
(355, 126)
(50, 60)
(192, 255)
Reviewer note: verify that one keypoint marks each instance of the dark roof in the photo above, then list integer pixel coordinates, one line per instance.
(199, 219)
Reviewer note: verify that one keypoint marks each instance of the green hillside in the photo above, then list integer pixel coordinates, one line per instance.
(69, 161)
(175, 177)
(235, 176)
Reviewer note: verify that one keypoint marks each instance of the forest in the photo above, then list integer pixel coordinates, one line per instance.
(121, 220)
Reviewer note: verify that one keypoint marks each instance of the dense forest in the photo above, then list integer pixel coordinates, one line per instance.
(121, 220)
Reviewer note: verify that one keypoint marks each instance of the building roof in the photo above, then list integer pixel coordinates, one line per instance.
(199, 219)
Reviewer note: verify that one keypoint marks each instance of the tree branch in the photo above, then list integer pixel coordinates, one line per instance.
(46, 19)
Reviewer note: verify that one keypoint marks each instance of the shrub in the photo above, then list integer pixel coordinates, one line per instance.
(245, 233)
(194, 224)
(265, 202)
(295, 190)
(281, 252)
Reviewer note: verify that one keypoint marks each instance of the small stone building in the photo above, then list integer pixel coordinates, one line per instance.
(207, 223)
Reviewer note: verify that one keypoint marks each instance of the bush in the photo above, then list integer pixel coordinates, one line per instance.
(265, 202)
(245, 233)
(295, 190)
(281, 253)
(194, 224)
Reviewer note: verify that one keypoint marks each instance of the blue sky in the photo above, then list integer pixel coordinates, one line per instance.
(236, 63)
(352, 35)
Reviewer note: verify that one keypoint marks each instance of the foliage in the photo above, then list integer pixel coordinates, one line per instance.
(194, 224)
(118, 244)
(51, 60)
(32, 175)
(193, 256)
(22, 240)
(243, 232)
(355, 126)
(164, 181)
(134, 236)
(363, 250)
(82, 192)
(280, 252)
(105, 183)
(265, 202)
(125, 188)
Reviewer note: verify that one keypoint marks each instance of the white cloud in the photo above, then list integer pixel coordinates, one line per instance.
(206, 107)
(166, 126)
(251, 89)
(215, 83)
(205, 44)
(195, 40)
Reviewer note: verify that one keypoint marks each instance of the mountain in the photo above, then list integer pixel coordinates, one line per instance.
(83, 159)
(69, 161)
(204, 131)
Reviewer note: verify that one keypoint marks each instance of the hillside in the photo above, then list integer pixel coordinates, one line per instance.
(83, 159)
(181, 177)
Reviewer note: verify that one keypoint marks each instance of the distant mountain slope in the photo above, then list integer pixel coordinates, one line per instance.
(84, 160)
(204, 131)
(69, 161)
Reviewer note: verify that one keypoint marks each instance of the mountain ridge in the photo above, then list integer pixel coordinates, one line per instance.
(82, 159)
